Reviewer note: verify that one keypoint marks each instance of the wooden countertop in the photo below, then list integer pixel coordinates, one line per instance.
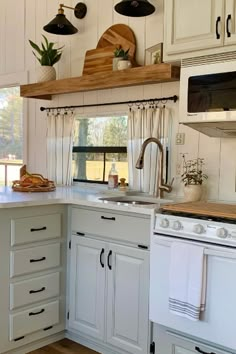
(220, 210)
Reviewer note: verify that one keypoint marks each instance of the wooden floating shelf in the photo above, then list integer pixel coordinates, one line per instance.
(142, 75)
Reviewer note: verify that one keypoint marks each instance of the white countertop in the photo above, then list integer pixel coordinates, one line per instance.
(68, 195)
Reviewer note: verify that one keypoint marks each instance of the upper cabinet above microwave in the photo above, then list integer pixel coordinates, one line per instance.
(198, 27)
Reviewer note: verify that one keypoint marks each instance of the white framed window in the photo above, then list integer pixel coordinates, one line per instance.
(97, 142)
(13, 132)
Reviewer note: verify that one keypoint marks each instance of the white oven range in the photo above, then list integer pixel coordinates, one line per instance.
(218, 237)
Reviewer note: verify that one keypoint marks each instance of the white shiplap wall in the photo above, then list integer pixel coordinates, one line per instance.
(21, 20)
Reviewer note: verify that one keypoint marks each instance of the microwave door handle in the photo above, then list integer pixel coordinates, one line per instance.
(227, 25)
(217, 27)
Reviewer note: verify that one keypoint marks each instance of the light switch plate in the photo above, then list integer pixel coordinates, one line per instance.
(180, 139)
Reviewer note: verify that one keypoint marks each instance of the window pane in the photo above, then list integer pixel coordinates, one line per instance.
(102, 133)
(11, 133)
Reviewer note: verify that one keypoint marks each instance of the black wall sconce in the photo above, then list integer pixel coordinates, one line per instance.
(134, 8)
(60, 24)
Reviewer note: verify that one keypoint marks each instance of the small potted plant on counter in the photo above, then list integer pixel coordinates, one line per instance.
(47, 56)
(121, 59)
(192, 178)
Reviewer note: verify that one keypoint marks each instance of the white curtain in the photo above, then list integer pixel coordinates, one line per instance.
(144, 123)
(59, 147)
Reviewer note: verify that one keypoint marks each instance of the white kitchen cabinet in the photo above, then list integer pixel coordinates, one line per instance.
(109, 281)
(120, 304)
(32, 282)
(198, 27)
(87, 286)
(169, 342)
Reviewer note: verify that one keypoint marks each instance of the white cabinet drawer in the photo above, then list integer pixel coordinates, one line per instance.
(37, 228)
(34, 259)
(34, 319)
(29, 291)
(112, 225)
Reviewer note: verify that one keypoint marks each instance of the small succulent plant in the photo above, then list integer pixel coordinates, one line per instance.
(121, 53)
(47, 54)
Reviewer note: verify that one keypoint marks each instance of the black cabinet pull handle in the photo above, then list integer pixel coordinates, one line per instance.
(36, 313)
(106, 218)
(80, 233)
(227, 25)
(101, 254)
(217, 27)
(37, 260)
(108, 259)
(39, 229)
(202, 352)
(37, 291)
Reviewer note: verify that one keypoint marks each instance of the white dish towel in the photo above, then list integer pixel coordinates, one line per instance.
(187, 291)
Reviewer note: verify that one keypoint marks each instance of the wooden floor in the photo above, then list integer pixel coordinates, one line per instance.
(64, 346)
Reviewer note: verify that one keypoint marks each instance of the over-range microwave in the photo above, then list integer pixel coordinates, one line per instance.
(208, 95)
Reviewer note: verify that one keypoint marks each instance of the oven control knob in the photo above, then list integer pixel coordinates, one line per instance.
(222, 233)
(164, 223)
(198, 229)
(176, 225)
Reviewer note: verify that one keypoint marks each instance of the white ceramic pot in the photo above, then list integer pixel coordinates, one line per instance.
(192, 192)
(124, 64)
(46, 73)
(115, 62)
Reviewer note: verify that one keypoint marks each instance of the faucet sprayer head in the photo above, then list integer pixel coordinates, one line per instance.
(139, 163)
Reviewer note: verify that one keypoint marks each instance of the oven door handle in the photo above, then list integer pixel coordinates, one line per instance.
(223, 253)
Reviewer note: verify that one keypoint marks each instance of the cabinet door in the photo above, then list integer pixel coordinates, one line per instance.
(127, 300)
(193, 24)
(230, 22)
(87, 286)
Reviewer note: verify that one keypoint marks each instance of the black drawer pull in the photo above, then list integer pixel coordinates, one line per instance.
(47, 328)
(19, 338)
(106, 218)
(227, 26)
(36, 313)
(217, 27)
(39, 229)
(80, 233)
(202, 352)
(37, 291)
(143, 247)
(37, 260)
(101, 254)
(108, 259)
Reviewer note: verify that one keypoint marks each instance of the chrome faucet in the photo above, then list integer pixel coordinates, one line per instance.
(162, 187)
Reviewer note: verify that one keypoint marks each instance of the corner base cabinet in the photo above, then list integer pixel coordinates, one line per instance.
(109, 290)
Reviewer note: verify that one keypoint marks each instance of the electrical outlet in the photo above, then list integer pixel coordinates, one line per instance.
(180, 139)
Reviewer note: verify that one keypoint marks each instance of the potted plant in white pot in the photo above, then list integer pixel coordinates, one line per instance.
(47, 56)
(121, 59)
(193, 177)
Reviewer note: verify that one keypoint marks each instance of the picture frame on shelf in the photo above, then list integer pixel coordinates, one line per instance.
(154, 54)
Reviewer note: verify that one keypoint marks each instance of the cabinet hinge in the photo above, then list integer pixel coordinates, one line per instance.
(152, 348)
(69, 244)
(68, 315)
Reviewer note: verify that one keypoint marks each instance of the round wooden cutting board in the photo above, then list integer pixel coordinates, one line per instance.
(119, 34)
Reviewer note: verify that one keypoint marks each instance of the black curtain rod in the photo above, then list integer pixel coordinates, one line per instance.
(137, 102)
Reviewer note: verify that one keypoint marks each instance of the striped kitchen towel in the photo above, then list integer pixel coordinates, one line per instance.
(187, 287)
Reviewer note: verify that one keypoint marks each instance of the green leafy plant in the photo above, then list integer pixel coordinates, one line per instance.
(47, 54)
(192, 171)
(121, 53)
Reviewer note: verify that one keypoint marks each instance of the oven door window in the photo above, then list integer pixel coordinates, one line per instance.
(212, 93)
(217, 324)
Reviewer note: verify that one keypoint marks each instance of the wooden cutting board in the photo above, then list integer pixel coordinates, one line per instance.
(203, 208)
(119, 34)
(99, 60)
